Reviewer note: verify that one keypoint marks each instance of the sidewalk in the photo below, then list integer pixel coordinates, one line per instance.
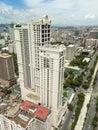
(83, 112)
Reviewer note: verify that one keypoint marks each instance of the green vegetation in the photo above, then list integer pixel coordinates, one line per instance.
(72, 80)
(18, 25)
(15, 63)
(0, 47)
(78, 61)
(6, 92)
(80, 102)
(86, 84)
(70, 107)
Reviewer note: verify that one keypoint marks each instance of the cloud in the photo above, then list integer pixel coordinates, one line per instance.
(61, 12)
(33, 3)
(5, 8)
(59, 4)
(90, 16)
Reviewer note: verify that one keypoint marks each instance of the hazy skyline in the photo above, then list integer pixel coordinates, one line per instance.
(61, 12)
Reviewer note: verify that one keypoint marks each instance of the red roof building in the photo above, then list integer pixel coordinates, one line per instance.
(39, 112)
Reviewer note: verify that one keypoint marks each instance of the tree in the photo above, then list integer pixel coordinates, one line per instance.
(94, 123)
(70, 107)
(65, 74)
(15, 63)
(85, 85)
(6, 91)
(18, 25)
(81, 95)
(76, 83)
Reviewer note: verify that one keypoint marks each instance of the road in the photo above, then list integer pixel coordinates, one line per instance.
(67, 121)
(92, 109)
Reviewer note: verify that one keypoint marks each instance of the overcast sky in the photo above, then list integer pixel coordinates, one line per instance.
(61, 12)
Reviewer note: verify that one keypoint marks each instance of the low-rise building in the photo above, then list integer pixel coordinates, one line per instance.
(74, 69)
(70, 51)
(25, 116)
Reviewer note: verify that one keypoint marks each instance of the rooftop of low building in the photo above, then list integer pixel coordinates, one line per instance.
(22, 112)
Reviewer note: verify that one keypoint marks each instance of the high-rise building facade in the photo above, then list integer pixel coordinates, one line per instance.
(41, 66)
(52, 75)
(7, 74)
(28, 40)
(39, 35)
(51, 79)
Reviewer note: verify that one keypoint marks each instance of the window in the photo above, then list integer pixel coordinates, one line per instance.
(42, 26)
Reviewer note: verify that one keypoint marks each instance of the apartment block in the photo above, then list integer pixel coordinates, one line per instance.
(7, 74)
(41, 67)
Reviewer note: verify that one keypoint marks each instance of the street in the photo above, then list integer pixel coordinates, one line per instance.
(91, 111)
(67, 121)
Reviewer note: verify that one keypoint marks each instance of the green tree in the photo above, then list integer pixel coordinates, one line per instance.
(15, 63)
(85, 85)
(70, 107)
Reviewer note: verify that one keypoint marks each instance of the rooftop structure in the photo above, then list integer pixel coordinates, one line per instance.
(69, 94)
(37, 110)
(24, 115)
(55, 48)
(74, 69)
(5, 55)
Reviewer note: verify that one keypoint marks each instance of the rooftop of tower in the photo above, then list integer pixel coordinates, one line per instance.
(55, 48)
(44, 20)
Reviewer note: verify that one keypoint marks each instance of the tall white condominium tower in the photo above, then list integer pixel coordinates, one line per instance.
(28, 40)
(41, 66)
(51, 81)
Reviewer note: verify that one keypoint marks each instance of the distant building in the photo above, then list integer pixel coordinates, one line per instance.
(70, 51)
(11, 32)
(93, 34)
(2, 42)
(12, 48)
(5, 36)
(7, 74)
(91, 43)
